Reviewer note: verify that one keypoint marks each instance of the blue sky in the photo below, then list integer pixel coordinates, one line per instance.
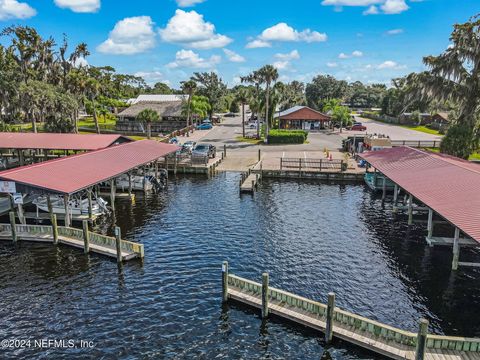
(167, 40)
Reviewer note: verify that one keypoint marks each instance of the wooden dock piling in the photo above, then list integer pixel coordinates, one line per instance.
(264, 295)
(54, 229)
(410, 209)
(456, 249)
(86, 237)
(225, 281)
(329, 319)
(421, 340)
(12, 225)
(118, 246)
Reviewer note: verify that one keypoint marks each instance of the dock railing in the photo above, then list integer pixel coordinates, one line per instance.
(417, 143)
(356, 322)
(76, 234)
(304, 164)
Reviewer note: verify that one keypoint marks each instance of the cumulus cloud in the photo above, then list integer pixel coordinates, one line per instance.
(190, 29)
(284, 32)
(190, 59)
(281, 65)
(332, 64)
(355, 53)
(255, 44)
(80, 62)
(130, 36)
(79, 6)
(394, 32)
(233, 56)
(372, 6)
(293, 55)
(152, 77)
(389, 64)
(188, 3)
(12, 9)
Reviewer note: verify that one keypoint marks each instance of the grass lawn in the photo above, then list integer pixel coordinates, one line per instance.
(103, 122)
(475, 156)
(421, 128)
(249, 141)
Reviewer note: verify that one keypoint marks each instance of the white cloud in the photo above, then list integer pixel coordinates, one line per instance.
(293, 55)
(255, 44)
(394, 6)
(394, 32)
(233, 56)
(190, 29)
(284, 32)
(281, 65)
(79, 6)
(190, 59)
(12, 9)
(152, 77)
(387, 6)
(188, 3)
(389, 64)
(372, 10)
(332, 64)
(130, 36)
(355, 53)
(80, 62)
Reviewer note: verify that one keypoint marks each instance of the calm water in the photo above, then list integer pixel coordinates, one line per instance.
(312, 238)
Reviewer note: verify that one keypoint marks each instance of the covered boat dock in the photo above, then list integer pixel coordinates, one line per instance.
(444, 186)
(18, 149)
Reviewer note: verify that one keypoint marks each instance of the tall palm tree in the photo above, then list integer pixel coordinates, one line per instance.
(254, 103)
(242, 97)
(189, 87)
(148, 116)
(268, 74)
(92, 89)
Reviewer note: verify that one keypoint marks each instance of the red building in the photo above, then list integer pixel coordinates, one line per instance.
(302, 118)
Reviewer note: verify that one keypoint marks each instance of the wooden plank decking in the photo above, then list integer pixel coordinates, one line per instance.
(249, 184)
(384, 340)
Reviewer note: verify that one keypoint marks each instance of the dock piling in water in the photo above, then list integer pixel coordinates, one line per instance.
(12, 225)
(54, 229)
(264, 295)
(421, 340)
(118, 240)
(225, 281)
(86, 237)
(329, 319)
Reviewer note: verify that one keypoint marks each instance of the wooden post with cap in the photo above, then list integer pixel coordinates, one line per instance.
(225, 281)
(118, 244)
(421, 340)
(264, 295)
(329, 322)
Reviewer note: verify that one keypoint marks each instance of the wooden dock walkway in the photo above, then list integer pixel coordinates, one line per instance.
(89, 241)
(334, 322)
(250, 180)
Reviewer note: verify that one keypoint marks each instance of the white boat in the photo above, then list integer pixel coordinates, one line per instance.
(76, 206)
(143, 182)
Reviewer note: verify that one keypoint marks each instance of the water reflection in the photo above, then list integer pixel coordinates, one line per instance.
(312, 238)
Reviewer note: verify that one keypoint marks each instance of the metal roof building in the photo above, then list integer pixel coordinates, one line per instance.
(53, 141)
(74, 173)
(447, 185)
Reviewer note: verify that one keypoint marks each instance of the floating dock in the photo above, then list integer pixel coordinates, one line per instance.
(336, 323)
(249, 182)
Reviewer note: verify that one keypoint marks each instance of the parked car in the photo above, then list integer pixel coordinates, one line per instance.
(173, 141)
(358, 127)
(188, 146)
(230, 114)
(203, 149)
(248, 111)
(252, 126)
(204, 127)
(206, 121)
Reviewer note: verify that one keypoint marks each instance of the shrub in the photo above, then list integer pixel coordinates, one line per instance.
(459, 141)
(287, 136)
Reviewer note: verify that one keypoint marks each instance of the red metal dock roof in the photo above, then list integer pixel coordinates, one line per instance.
(71, 174)
(53, 141)
(448, 185)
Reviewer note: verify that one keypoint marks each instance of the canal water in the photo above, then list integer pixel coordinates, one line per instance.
(312, 238)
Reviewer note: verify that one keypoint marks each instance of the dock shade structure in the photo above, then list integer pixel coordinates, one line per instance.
(302, 118)
(75, 173)
(51, 141)
(448, 186)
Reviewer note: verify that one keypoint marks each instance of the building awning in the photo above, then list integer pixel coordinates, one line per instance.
(448, 185)
(52, 141)
(75, 173)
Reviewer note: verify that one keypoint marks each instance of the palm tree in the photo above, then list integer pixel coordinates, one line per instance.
(268, 74)
(242, 97)
(254, 102)
(454, 76)
(92, 89)
(189, 87)
(148, 116)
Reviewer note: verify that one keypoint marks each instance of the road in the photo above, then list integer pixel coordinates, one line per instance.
(395, 132)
